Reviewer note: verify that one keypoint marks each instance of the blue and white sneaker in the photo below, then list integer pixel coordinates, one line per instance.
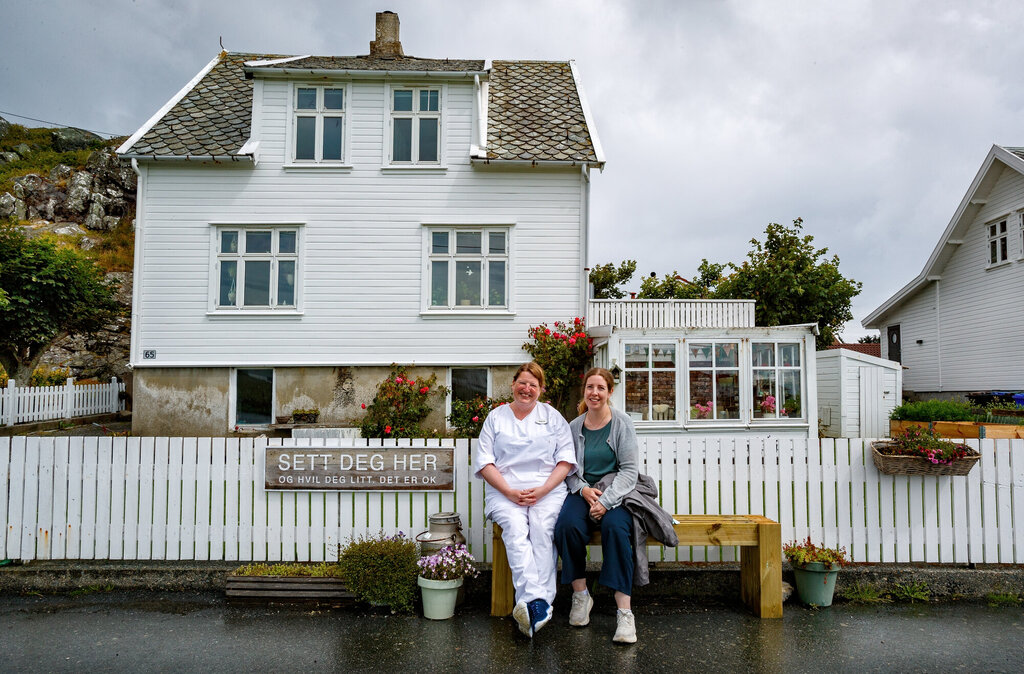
(540, 614)
(521, 614)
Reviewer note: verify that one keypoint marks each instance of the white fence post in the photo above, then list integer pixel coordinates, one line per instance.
(11, 406)
(69, 398)
(112, 404)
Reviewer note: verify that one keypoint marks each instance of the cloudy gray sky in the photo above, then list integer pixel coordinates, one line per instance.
(867, 119)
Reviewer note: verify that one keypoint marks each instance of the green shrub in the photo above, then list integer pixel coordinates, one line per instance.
(381, 569)
(934, 410)
(467, 417)
(400, 406)
(565, 353)
(48, 375)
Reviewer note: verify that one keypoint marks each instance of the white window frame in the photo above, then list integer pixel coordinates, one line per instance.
(320, 113)
(995, 238)
(217, 258)
(778, 368)
(649, 416)
(416, 114)
(1020, 235)
(743, 375)
(452, 257)
(233, 397)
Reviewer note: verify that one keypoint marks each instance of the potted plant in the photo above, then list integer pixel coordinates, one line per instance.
(309, 416)
(441, 576)
(917, 451)
(380, 569)
(815, 569)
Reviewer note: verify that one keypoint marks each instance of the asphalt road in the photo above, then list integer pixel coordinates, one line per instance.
(122, 632)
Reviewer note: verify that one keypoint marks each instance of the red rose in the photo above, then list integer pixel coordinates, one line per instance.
(364, 406)
(424, 389)
(476, 419)
(387, 429)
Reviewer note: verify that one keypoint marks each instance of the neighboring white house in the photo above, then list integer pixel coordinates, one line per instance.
(856, 393)
(958, 327)
(702, 366)
(303, 222)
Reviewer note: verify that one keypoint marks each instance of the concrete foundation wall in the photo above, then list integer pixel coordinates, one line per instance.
(184, 401)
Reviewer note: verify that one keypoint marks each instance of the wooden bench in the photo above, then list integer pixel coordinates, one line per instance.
(759, 539)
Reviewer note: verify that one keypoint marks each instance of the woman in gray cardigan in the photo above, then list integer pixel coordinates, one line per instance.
(605, 443)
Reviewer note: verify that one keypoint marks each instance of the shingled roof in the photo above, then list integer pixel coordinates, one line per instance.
(535, 112)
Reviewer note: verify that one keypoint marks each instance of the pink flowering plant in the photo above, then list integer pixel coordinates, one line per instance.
(923, 443)
(701, 411)
(467, 417)
(400, 405)
(767, 405)
(565, 352)
(452, 562)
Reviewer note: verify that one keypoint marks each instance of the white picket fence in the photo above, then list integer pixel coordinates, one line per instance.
(24, 404)
(203, 498)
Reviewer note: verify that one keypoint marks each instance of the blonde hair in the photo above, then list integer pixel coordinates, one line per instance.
(594, 372)
(533, 368)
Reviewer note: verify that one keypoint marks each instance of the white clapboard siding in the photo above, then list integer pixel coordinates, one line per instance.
(203, 498)
(26, 404)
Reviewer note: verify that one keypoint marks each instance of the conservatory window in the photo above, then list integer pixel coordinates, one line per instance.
(650, 377)
(714, 375)
(776, 380)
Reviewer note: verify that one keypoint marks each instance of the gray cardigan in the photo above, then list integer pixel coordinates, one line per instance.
(622, 440)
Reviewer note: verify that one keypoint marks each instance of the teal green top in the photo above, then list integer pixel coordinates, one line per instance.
(598, 456)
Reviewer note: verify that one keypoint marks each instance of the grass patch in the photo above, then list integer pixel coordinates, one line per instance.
(911, 592)
(1001, 599)
(864, 593)
(91, 589)
(116, 248)
(43, 157)
(321, 570)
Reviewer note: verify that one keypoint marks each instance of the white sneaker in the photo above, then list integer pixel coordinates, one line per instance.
(521, 614)
(625, 627)
(579, 614)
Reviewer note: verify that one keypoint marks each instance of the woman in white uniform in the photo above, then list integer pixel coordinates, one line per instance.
(524, 453)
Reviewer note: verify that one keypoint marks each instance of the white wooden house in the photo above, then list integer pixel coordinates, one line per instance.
(856, 393)
(303, 222)
(703, 366)
(958, 326)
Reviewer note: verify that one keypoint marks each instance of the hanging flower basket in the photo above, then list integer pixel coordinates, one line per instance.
(909, 464)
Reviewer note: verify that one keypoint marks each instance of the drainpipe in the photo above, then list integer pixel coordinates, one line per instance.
(140, 201)
(938, 332)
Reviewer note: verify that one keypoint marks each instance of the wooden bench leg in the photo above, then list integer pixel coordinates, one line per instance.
(502, 593)
(761, 572)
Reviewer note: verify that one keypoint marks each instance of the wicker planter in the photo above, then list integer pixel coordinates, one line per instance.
(916, 465)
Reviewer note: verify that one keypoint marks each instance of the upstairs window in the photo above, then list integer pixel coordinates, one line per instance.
(997, 244)
(318, 124)
(776, 380)
(467, 268)
(257, 268)
(415, 126)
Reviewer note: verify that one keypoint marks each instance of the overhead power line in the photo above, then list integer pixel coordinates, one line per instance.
(98, 133)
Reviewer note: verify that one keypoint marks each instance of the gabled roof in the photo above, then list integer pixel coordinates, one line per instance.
(870, 349)
(535, 109)
(999, 158)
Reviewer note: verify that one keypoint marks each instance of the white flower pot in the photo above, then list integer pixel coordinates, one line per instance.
(439, 597)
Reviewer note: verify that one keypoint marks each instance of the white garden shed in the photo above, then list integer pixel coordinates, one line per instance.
(856, 393)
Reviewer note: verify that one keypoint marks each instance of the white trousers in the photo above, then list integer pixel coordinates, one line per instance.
(528, 533)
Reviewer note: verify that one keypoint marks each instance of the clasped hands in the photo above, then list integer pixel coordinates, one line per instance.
(526, 497)
(589, 494)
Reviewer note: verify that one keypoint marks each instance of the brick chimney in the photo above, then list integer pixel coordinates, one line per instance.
(387, 43)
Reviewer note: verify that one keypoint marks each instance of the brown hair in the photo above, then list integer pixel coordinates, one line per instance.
(594, 372)
(534, 369)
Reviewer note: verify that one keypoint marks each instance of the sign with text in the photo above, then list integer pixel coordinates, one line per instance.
(351, 469)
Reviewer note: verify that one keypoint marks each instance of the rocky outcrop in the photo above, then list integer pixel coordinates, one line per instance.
(96, 197)
(67, 139)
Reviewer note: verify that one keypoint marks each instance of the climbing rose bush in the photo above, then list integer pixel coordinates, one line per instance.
(400, 405)
(565, 351)
(467, 417)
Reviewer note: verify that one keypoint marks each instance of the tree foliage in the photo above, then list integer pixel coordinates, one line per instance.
(870, 339)
(673, 286)
(564, 352)
(606, 279)
(792, 282)
(49, 291)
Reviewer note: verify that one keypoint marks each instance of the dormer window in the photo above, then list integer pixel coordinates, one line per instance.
(318, 124)
(415, 126)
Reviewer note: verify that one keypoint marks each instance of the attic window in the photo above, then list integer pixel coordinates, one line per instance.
(997, 242)
(415, 126)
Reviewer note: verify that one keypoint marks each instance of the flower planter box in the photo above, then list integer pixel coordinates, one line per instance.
(305, 418)
(916, 465)
(961, 429)
(286, 588)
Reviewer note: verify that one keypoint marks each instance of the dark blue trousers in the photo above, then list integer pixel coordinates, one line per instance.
(573, 529)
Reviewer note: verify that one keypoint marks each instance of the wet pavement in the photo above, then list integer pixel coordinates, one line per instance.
(119, 631)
